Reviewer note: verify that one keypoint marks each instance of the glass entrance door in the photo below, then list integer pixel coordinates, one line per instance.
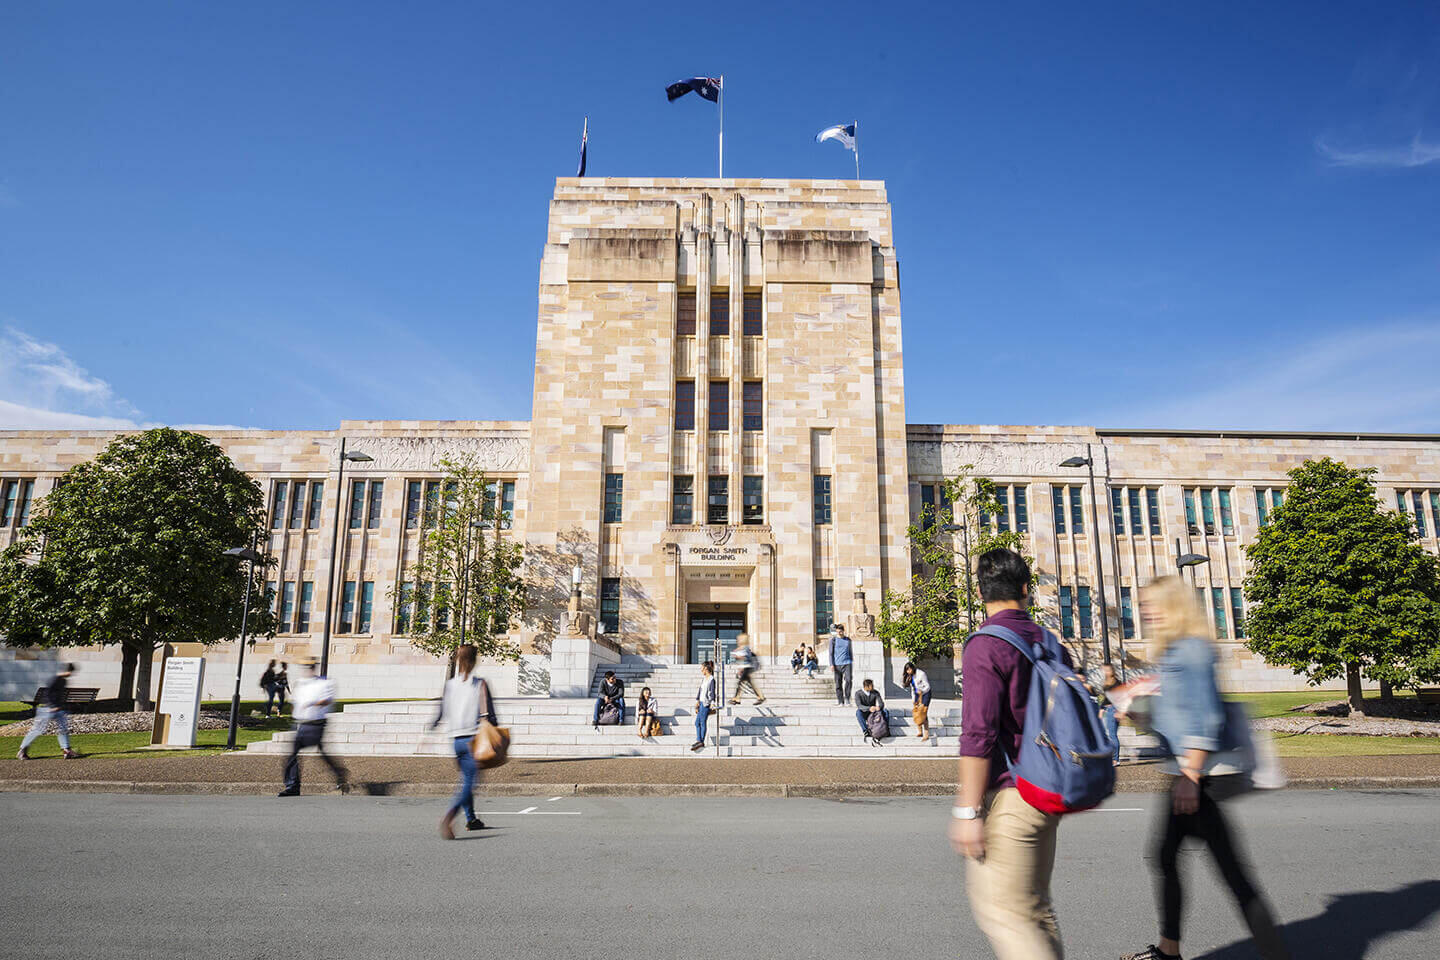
(706, 628)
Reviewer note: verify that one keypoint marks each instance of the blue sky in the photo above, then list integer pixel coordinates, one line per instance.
(281, 214)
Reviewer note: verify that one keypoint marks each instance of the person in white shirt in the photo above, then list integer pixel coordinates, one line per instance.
(647, 710)
(311, 703)
(704, 703)
(465, 702)
(918, 684)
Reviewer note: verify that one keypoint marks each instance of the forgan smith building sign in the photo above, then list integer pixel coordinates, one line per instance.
(731, 555)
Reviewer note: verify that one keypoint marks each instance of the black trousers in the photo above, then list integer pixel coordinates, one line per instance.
(1208, 825)
(842, 682)
(310, 734)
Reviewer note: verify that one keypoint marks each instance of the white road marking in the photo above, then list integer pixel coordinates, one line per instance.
(532, 812)
(529, 810)
(553, 799)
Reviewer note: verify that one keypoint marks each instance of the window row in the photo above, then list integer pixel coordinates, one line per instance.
(289, 617)
(17, 495)
(717, 502)
(1273, 496)
(752, 405)
(1013, 509)
(1143, 507)
(1208, 497)
(1417, 500)
(302, 511)
(1062, 495)
(422, 503)
(753, 324)
(1218, 601)
(1075, 603)
(300, 503)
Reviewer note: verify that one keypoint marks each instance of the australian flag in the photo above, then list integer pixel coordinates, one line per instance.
(707, 87)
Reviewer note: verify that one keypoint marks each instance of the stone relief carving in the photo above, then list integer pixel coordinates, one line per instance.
(499, 454)
(990, 459)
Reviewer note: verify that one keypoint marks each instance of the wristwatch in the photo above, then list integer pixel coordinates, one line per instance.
(965, 813)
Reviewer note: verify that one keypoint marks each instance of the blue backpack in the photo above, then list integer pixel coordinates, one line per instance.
(1065, 763)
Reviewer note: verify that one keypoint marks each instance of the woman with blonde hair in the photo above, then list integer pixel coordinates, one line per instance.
(1190, 718)
(466, 701)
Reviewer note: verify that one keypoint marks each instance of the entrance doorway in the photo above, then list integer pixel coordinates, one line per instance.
(707, 627)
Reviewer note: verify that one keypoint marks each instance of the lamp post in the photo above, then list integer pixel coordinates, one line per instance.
(465, 572)
(964, 531)
(249, 555)
(1089, 462)
(1183, 560)
(353, 457)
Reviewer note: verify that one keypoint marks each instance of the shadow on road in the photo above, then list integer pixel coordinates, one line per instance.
(1350, 924)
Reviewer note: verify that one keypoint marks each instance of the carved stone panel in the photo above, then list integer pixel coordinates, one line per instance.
(947, 458)
(493, 454)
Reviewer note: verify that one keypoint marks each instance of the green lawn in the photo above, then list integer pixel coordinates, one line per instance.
(1345, 745)
(1280, 704)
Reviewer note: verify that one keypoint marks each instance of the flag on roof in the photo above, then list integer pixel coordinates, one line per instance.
(584, 137)
(707, 87)
(844, 132)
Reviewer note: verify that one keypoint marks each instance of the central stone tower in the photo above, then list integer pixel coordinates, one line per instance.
(718, 440)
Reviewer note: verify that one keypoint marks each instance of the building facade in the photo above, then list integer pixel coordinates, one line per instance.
(718, 443)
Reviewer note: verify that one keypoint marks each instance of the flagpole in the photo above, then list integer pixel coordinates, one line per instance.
(722, 126)
(857, 150)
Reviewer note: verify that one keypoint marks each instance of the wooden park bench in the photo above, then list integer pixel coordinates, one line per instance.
(73, 695)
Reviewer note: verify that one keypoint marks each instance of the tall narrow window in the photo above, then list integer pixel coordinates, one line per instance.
(442, 606)
(1237, 611)
(719, 314)
(1127, 615)
(823, 507)
(684, 404)
(610, 604)
(824, 605)
(412, 504)
(1152, 503)
(1207, 510)
(1227, 517)
(927, 505)
(754, 316)
(347, 606)
(1277, 499)
(1077, 515)
(307, 596)
(1190, 524)
(297, 505)
(487, 502)
(1057, 508)
(452, 500)
(1002, 515)
(1261, 513)
(718, 504)
(1137, 521)
(507, 504)
(685, 315)
(753, 402)
(1086, 631)
(277, 513)
(1419, 511)
(357, 504)
(367, 605)
(432, 504)
(287, 605)
(753, 507)
(1022, 513)
(984, 516)
(1067, 613)
(271, 599)
(614, 497)
(27, 490)
(422, 606)
(377, 497)
(1435, 510)
(317, 504)
(12, 489)
(1117, 510)
(682, 501)
(719, 415)
(1217, 603)
(405, 608)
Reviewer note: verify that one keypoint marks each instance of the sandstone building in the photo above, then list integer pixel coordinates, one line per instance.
(719, 441)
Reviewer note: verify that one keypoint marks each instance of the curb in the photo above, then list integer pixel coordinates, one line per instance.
(755, 790)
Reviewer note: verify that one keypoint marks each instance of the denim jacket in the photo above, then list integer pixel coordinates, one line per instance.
(1188, 712)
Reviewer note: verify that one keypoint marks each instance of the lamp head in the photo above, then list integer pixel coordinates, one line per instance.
(357, 457)
(1075, 462)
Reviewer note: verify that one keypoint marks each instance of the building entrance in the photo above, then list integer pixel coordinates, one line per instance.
(706, 628)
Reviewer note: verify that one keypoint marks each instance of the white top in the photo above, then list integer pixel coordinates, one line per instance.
(312, 699)
(706, 693)
(651, 706)
(919, 682)
(460, 706)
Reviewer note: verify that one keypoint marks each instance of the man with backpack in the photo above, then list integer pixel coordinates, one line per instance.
(611, 699)
(870, 713)
(1008, 843)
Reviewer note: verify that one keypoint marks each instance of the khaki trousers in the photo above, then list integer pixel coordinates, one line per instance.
(1010, 889)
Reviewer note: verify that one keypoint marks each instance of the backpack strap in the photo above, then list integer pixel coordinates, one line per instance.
(1009, 636)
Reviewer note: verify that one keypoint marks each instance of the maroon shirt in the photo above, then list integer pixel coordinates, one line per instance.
(995, 685)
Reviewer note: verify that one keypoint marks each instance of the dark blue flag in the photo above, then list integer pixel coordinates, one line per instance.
(707, 87)
(584, 140)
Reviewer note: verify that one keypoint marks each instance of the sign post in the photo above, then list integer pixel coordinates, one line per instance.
(177, 708)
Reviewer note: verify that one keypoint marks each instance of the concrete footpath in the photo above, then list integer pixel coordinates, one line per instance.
(238, 774)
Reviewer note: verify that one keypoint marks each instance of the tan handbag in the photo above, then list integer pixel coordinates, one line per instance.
(920, 714)
(654, 727)
(491, 745)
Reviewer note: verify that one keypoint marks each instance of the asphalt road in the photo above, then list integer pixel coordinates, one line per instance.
(1352, 874)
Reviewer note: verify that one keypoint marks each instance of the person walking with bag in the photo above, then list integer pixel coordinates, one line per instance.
(465, 703)
(313, 700)
(918, 683)
(749, 665)
(50, 708)
(1206, 740)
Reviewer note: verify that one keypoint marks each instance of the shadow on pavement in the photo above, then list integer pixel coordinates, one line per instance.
(1350, 924)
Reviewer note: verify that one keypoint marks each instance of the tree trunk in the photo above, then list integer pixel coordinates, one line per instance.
(126, 696)
(1355, 695)
(1386, 691)
(142, 678)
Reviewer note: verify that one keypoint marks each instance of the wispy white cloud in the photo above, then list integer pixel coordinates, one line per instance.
(1418, 154)
(42, 387)
(1378, 378)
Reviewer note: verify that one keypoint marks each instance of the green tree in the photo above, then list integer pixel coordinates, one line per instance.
(930, 619)
(467, 585)
(128, 550)
(1339, 587)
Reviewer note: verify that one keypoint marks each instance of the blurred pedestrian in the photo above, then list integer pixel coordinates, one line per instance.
(841, 662)
(51, 707)
(647, 714)
(314, 698)
(870, 712)
(918, 683)
(465, 702)
(1008, 844)
(276, 684)
(1190, 717)
(704, 703)
(1109, 715)
(748, 664)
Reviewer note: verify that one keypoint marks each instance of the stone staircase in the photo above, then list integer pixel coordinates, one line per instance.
(561, 728)
(673, 683)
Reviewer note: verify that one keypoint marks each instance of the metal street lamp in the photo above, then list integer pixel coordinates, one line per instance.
(465, 572)
(1183, 560)
(964, 531)
(353, 457)
(1089, 462)
(249, 555)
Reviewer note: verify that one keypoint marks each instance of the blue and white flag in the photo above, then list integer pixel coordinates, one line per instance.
(707, 87)
(844, 132)
(584, 142)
